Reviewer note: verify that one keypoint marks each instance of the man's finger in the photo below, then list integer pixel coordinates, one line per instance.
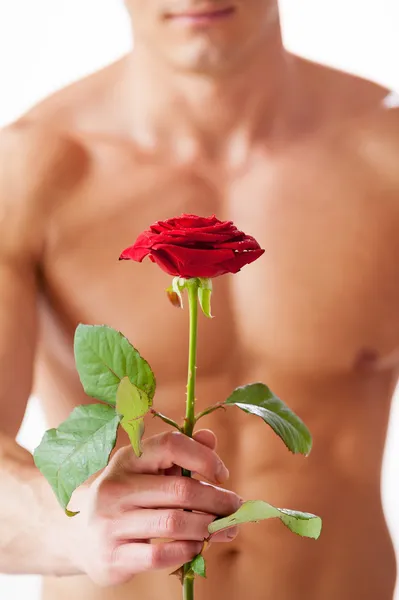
(165, 524)
(149, 524)
(160, 491)
(133, 558)
(173, 448)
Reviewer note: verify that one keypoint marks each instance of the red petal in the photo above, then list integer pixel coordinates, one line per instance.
(133, 253)
(165, 260)
(240, 260)
(191, 262)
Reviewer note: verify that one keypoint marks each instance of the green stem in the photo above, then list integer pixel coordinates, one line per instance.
(188, 588)
(165, 419)
(189, 423)
(209, 410)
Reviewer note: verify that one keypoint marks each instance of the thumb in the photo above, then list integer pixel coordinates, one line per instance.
(206, 437)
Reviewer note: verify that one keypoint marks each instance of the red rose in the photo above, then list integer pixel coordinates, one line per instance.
(191, 246)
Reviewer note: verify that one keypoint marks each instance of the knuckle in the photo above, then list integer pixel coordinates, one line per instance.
(169, 440)
(113, 567)
(120, 458)
(112, 556)
(106, 531)
(107, 492)
(123, 461)
(107, 564)
(173, 522)
(182, 490)
(104, 564)
(157, 556)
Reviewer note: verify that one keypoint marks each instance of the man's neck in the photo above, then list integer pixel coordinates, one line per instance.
(215, 117)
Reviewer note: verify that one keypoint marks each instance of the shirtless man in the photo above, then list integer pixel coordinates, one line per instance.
(209, 114)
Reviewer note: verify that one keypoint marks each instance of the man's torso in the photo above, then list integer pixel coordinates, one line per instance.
(316, 319)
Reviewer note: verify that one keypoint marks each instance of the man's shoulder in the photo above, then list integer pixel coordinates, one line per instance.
(365, 151)
(52, 131)
(376, 138)
(344, 94)
(35, 158)
(362, 150)
(83, 104)
(39, 169)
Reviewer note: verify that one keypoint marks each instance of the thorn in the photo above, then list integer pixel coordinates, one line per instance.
(179, 573)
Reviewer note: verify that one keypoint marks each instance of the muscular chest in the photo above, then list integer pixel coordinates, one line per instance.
(324, 295)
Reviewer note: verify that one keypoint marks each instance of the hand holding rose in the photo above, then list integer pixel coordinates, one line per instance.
(135, 501)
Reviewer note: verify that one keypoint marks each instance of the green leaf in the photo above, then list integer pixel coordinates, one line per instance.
(132, 404)
(104, 357)
(257, 399)
(198, 566)
(304, 524)
(204, 296)
(79, 448)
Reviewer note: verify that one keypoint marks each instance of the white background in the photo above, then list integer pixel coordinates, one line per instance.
(45, 44)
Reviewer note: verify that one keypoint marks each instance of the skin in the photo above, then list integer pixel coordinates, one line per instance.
(304, 159)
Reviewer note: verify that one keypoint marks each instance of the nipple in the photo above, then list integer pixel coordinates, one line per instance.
(366, 360)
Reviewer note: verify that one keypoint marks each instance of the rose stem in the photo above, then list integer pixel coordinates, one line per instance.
(192, 358)
(188, 588)
(189, 423)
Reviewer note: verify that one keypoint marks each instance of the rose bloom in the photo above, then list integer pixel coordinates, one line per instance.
(191, 246)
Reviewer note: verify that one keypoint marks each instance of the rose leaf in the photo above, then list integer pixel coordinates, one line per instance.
(303, 524)
(104, 357)
(198, 566)
(79, 448)
(132, 404)
(257, 399)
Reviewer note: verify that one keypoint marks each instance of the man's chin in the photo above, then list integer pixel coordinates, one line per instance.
(210, 61)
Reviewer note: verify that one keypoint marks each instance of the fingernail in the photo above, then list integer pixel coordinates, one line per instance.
(239, 502)
(222, 473)
(232, 533)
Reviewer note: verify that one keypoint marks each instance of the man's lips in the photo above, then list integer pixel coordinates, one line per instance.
(205, 16)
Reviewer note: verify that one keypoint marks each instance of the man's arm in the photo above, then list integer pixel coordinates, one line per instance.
(35, 534)
(26, 506)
